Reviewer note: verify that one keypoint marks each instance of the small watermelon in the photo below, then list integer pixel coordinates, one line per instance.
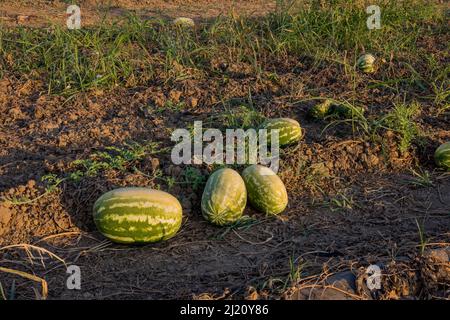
(224, 197)
(137, 215)
(320, 110)
(442, 156)
(289, 130)
(366, 63)
(266, 192)
(346, 111)
(184, 22)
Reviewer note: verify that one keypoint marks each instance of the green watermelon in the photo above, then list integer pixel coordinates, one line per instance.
(137, 215)
(366, 63)
(320, 110)
(224, 197)
(346, 111)
(184, 22)
(290, 130)
(266, 191)
(442, 156)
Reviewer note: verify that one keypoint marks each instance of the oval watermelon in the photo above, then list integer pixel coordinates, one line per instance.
(320, 110)
(442, 156)
(137, 215)
(290, 130)
(366, 63)
(266, 191)
(184, 22)
(224, 197)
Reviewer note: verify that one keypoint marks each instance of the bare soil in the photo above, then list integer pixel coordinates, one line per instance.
(42, 134)
(46, 12)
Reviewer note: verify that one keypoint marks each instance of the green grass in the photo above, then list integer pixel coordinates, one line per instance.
(241, 117)
(51, 181)
(242, 224)
(422, 236)
(193, 177)
(422, 178)
(340, 202)
(2, 292)
(402, 121)
(135, 52)
(113, 158)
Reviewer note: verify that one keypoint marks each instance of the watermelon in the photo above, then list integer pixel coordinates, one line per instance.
(224, 197)
(320, 110)
(290, 130)
(346, 111)
(137, 215)
(184, 22)
(442, 156)
(266, 192)
(366, 63)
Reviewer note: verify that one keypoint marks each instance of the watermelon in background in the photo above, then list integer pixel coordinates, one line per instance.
(442, 156)
(289, 130)
(366, 63)
(320, 110)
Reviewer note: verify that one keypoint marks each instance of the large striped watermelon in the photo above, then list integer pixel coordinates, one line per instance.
(442, 156)
(290, 130)
(266, 191)
(224, 197)
(137, 215)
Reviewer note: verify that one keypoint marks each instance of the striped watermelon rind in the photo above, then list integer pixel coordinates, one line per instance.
(289, 130)
(366, 63)
(266, 192)
(320, 110)
(224, 198)
(346, 112)
(184, 22)
(442, 156)
(137, 215)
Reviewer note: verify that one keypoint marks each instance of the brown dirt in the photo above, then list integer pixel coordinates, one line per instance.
(43, 134)
(45, 12)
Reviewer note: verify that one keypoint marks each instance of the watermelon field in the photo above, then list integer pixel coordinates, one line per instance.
(104, 106)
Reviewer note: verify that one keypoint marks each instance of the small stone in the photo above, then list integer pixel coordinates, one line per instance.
(154, 163)
(374, 160)
(5, 215)
(343, 280)
(22, 19)
(175, 96)
(440, 255)
(15, 113)
(31, 184)
(193, 102)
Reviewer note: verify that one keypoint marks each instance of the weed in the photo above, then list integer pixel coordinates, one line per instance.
(193, 177)
(243, 223)
(52, 181)
(114, 158)
(295, 271)
(422, 178)
(133, 51)
(2, 292)
(401, 121)
(340, 202)
(422, 238)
